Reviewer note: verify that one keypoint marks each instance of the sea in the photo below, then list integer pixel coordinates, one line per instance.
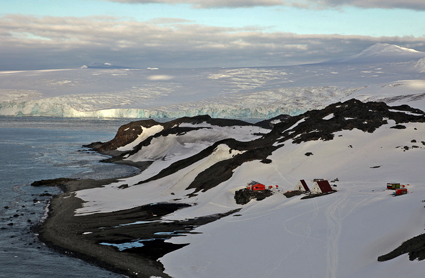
(36, 148)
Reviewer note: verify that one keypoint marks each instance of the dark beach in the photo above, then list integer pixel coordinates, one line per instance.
(80, 236)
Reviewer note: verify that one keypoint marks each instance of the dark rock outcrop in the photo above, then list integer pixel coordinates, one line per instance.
(293, 193)
(52, 182)
(270, 123)
(415, 247)
(312, 125)
(243, 196)
(352, 114)
(129, 132)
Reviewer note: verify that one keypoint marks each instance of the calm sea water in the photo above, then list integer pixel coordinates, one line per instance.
(45, 148)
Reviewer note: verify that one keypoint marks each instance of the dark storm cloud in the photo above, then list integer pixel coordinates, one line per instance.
(28, 42)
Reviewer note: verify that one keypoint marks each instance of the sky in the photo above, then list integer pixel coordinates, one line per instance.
(49, 34)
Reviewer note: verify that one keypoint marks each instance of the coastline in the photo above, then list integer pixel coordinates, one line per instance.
(80, 236)
(64, 232)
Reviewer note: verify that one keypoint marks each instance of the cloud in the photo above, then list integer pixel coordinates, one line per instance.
(168, 20)
(28, 42)
(202, 4)
(308, 4)
(384, 4)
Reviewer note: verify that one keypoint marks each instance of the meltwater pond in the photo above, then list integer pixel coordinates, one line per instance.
(45, 148)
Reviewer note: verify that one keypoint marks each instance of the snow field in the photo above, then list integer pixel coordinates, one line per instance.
(110, 197)
(410, 92)
(172, 147)
(339, 235)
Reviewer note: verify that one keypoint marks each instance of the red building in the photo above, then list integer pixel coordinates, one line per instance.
(400, 191)
(256, 186)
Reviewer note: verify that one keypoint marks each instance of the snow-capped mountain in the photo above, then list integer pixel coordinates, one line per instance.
(385, 53)
(199, 163)
(420, 65)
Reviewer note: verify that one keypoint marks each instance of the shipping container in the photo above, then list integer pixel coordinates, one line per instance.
(393, 186)
(400, 191)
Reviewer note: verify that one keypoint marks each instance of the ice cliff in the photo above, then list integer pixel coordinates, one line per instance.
(261, 105)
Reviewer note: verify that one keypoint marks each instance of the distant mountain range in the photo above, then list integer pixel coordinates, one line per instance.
(377, 53)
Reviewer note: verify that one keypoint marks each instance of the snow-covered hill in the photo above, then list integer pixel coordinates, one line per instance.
(202, 162)
(385, 53)
(420, 65)
(219, 92)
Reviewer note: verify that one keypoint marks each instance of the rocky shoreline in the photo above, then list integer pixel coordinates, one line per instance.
(82, 236)
(94, 238)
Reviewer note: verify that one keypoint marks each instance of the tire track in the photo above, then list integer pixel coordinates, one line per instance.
(334, 220)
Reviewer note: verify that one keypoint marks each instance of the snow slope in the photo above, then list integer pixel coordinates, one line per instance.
(384, 53)
(340, 235)
(219, 92)
(163, 151)
(337, 235)
(411, 92)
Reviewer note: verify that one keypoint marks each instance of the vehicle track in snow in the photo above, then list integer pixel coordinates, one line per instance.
(334, 220)
(307, 231)
(336, 213)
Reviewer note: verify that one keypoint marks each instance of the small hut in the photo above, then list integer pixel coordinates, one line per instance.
(393, 185)
(254, 185)
(321, 186)
(302, 186)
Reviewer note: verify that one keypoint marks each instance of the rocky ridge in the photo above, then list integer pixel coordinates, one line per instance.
(129, 132)
(312, 125)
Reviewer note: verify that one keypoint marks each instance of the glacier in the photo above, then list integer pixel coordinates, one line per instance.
(264, 104)
(255, 92)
